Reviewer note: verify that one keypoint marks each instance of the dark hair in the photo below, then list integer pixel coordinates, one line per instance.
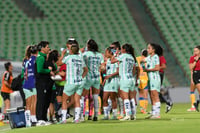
(159, 50)
(117, 45)
(144, 53)
(75, 48)
(155, 47)
(27, 52)
(198, 46)
(53, 56)
(72, 41)
(6, 65)
(92, 46)
(110, 50)
(42, 44)
(33, 49)
(129, 49)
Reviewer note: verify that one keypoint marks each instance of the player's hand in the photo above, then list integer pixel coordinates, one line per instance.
(50, 68)
(196, 58)
(52, 73)
(63, 52)
(107, 77)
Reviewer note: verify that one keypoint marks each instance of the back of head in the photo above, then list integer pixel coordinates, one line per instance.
(144, 53)
(33, 49)
(53, 56)
(129, 49)
(75, 48)
(198, 47)
(92, 45)
(72, 41)
(42, 44)
(6, 65)
(117, 45)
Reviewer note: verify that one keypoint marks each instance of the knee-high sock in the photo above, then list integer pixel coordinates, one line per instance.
(192, 98)
(77, 113)
(157, 105)
(127, 107)
(28, 118)
(64, 113)
(105, 110)
(109, 106)
(142, 102)
(96, 105)
(133, 107)
(82, 106)
(121, 106)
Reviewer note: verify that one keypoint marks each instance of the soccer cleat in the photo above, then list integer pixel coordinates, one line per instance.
(196, 105)
(63, 122)
(76, 121)
(95, 119)
(168, 107)
(82, 119)
(149, 116)
(155, 117)
(126, 118)
(120, 117)
(105, 118)
(114, 118)
(191, 109)
(41, 123)
(89, 117)
(133, 117)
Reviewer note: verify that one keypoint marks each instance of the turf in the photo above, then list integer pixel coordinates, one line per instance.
(178, 120)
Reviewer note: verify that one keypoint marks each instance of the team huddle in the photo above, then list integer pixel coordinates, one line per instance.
(68, 78)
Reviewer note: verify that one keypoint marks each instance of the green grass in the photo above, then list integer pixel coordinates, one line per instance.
(178, 120)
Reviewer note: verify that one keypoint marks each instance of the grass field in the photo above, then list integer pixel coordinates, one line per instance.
(178, 120)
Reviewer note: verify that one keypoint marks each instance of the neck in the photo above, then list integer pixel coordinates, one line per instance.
(152, 54)
(43, 52)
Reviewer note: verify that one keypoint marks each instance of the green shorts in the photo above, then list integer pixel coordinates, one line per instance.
(28, 93)
(127, 85)
(71, 89)
(111, 87)
(154, 85)
(91, 83)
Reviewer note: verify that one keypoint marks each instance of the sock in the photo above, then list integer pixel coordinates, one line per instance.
(96, 106)
(99, 99)
(109, 106)
(114, 112)
(64, 113)
(146, 103)
(82, 106)
(133, 107)
(33, 118)
(142, 102)
(157, 104)
(127, 107)
(77, 113)
(28, 118)
(192, 97)
(153, 110)
(121, 106)
(105, 110)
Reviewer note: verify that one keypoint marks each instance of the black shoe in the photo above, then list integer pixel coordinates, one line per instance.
(168, 107)
(58, 117)
(95, 119)
(33, 124)
(196, 105)
(89, 117)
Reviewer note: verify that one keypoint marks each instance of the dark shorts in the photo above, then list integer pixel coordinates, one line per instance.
(5, 96)
(196, 77)
(59, 90)
(53, 96)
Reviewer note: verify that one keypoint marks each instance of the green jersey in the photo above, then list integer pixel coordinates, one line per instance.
(110, 69)
(75, 65)
(93, 61)
(151, 63)
(126, 64)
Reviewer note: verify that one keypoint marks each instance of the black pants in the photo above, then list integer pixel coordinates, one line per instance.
(44, 90)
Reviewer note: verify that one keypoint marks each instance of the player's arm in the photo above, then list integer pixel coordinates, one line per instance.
(59, 62)
(6, 79)
(85, 71)
(193, 64)
(156, 68)
(163, 66)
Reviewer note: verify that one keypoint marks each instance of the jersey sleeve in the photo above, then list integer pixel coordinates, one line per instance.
(191, 60)
(65, 60)
(156, 60)
(7, 76)
(119, 58)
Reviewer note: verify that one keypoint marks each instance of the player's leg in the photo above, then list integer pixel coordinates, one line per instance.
(105, 105)
(113, 97)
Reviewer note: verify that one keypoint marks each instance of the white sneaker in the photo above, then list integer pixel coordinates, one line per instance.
(41, 123)
(126, 118)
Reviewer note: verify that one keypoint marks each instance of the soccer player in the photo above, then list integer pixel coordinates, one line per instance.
(164, 92)
(6, 87)
(152, 69)
(126, 72)
(29, 88)
(111, 86)
(195, 67)
(192, 85)
(93, 59)
(143, 83)
(76, 71)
